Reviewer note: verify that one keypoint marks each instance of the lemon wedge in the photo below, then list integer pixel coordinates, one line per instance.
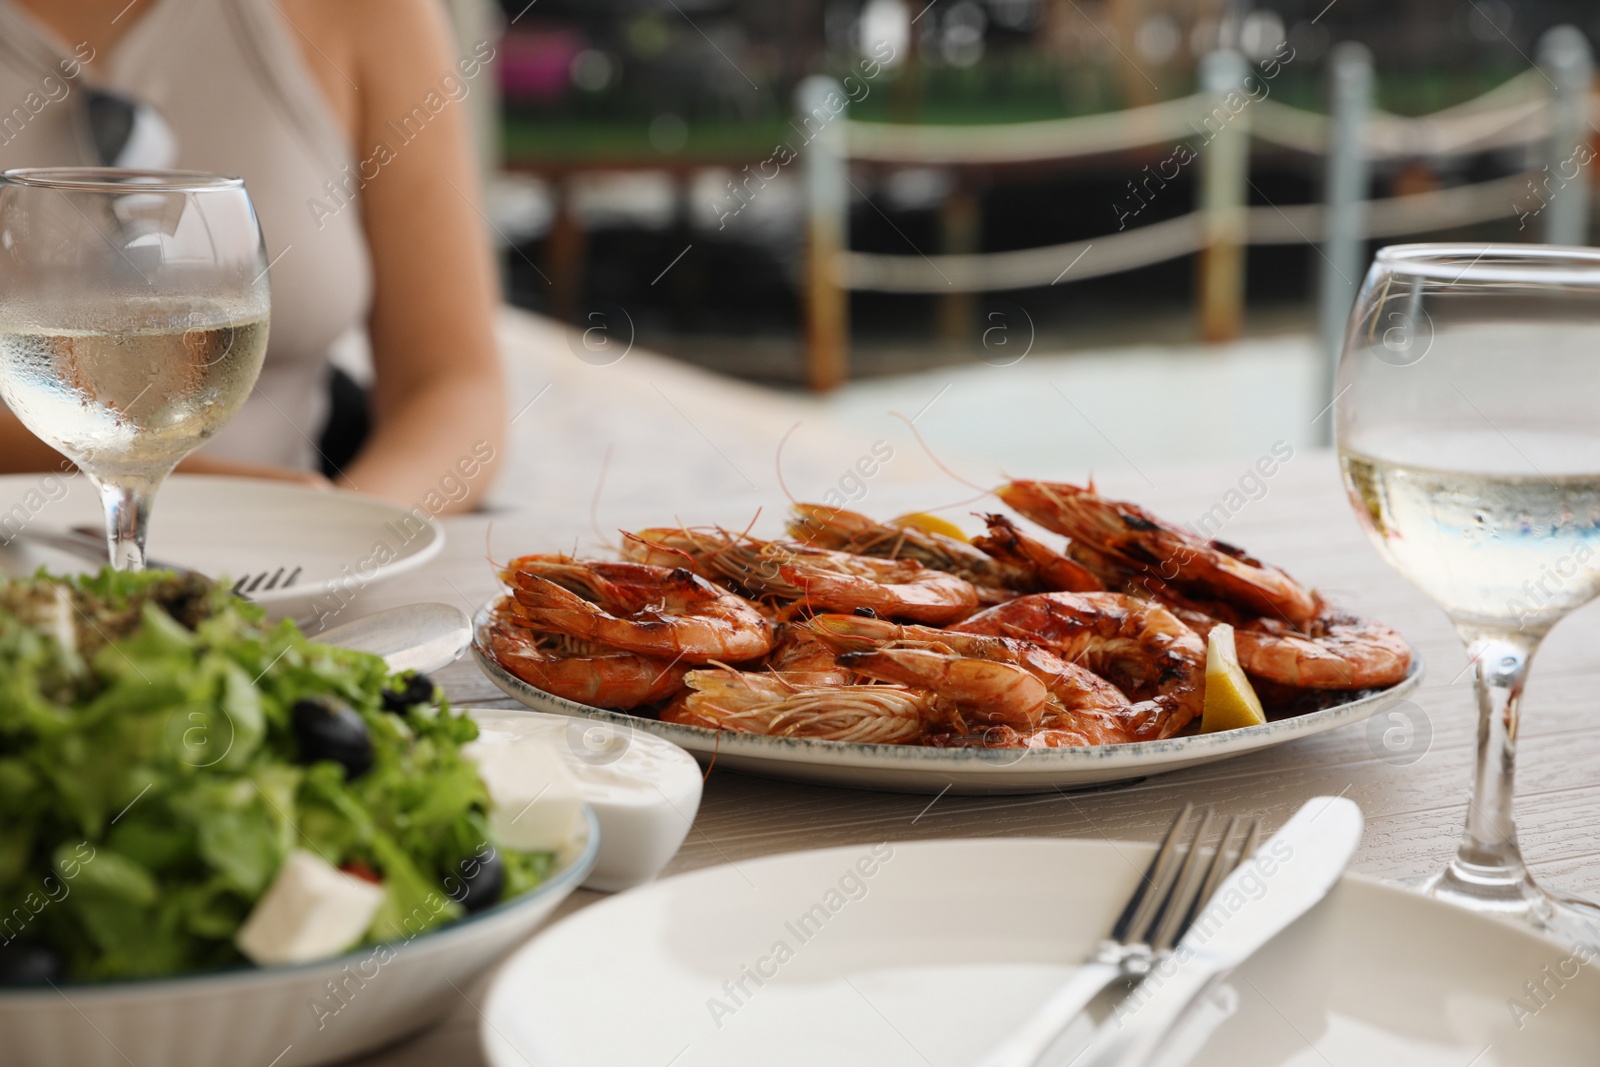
(930, 524)
(1231, 703)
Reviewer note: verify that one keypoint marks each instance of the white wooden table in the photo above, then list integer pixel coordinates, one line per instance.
(1303, 524)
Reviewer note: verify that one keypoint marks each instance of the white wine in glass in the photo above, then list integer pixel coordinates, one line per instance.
(1468, 421)
(134, 309)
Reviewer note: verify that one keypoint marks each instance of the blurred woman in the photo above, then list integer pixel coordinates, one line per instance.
(348, 123)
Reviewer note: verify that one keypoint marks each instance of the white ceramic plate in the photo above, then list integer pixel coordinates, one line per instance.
(925, 954)
(268, 1015)
(921, 769)
(343, 542)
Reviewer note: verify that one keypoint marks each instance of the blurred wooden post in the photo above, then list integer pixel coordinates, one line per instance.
(1224, 177)
(1347, 181)
(1126, 16)
(960, 225)
(1567, 61)
(821, 102)
(565, 252)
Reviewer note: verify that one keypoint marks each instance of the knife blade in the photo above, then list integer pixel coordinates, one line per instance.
(416, 637)
(1289, 874)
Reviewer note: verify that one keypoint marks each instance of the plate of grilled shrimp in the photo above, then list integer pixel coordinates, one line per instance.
(898, 655)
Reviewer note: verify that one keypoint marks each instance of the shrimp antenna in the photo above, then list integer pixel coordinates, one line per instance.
(717, 663)
(959, 503)
(937, 462)
(658, 546)
(488, 549)
(751, 525)
(594, 501)
(716, 749)
(777, 462)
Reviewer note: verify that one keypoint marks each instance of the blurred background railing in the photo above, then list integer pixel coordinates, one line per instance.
(803, 192)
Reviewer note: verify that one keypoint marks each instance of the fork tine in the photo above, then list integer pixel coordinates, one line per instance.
(273, 582)
(287, 582)
(1175, 909)
(251, 588)
(238, 587)
(1153, 885)
(1223, 861)
(1251, 840)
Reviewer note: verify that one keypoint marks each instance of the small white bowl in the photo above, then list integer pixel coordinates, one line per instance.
(644, 790)
(293, 1016)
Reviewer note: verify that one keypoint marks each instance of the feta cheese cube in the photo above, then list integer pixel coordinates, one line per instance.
(311, 910)
(535, 804)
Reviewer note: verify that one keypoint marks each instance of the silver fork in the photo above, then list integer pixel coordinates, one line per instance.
(244, 586)
(1174, 889)
(86, 543)
(251, 583)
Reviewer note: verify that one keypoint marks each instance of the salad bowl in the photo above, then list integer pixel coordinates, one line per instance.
(283, 1016)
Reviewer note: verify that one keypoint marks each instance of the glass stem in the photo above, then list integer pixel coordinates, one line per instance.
(127, 510)
(1488, 866)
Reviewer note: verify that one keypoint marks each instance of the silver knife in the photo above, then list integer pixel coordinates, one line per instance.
(416, 637)
(1289, 874)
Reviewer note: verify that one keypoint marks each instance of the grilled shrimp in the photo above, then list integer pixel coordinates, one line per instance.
(1139, 645)
(991, 693)
(750, 564)
(802, 657)
(850, 531)
(653, 611)
(1337, 651)
(1334, 651)
(946, 662)
(1075, 686)
(589, 674)
(822, 579)
(1041, 568)
(1131, 536)
(898, 589)
(1014, 696)
(727, 699)
(618, 585)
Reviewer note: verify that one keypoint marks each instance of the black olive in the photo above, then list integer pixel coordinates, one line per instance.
(483, 879)
(419, 689)
(27, 963)
(330, 729)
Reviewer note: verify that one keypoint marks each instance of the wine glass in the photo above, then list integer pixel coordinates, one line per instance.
(133, 320)
(1468, 423)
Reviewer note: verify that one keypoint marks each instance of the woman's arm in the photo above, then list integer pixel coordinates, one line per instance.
(438, 400)
(439, 397)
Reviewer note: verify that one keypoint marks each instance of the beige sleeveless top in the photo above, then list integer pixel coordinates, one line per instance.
(230, 80)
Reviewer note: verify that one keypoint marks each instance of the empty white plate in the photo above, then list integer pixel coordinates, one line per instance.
(925, 954)
(342, 543)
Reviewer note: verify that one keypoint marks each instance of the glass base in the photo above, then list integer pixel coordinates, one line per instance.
(1568, 920)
